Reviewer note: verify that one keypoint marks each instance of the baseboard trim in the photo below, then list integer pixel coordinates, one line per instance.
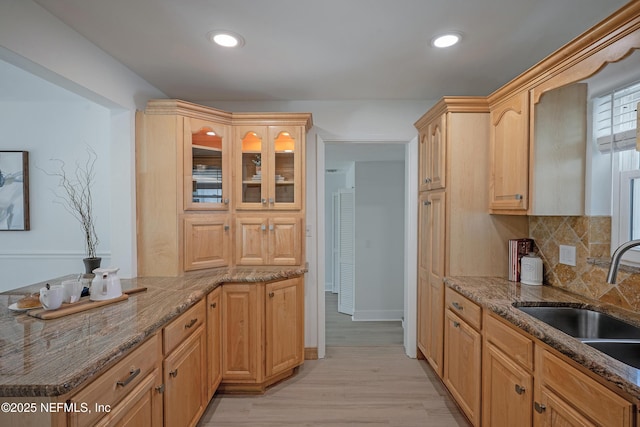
(311, 353)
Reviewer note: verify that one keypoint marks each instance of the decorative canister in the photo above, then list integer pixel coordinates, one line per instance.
(531, 269)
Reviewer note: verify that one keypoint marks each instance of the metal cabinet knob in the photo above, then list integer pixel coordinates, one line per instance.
(520, 389)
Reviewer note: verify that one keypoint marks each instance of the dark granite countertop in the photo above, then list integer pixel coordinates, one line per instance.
(499, 295)
(53, 357)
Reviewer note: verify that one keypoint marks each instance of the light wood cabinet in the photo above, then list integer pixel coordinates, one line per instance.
(509, 150)
(269, 162)
(284, 326)
(507, 375)
(196, 167)
(452, 220)
(130, 388)
(566, 396)
(207, 165)
(268, 240)
(185, 367)
(207, 241)
(263, 333)
(431, 273)
(462, 360)
(432, 152)
(214, 341)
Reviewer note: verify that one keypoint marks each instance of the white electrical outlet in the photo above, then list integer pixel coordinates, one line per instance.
(568, 255)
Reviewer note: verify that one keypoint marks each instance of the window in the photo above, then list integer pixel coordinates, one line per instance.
(615, 117)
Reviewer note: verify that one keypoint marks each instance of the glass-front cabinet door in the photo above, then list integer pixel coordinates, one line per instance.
(284, 183)
(268, 161)
(206, 165)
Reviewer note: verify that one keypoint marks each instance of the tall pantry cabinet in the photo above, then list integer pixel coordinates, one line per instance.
(218, 189)
(456, 235)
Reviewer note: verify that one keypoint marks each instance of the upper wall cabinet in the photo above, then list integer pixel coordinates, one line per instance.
(509, 151)
(539, 122)
(433, 151)
(269, 164)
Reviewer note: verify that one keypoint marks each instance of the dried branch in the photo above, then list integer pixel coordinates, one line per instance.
(77, 198)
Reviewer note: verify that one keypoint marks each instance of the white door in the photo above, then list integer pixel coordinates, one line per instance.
(346, 247)
(335, 249)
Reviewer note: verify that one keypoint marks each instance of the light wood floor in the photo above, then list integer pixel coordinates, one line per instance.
(371, 385)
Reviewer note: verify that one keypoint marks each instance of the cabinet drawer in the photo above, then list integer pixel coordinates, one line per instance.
(592, 399)
(516, 345)
(183, 326)
(463, 307)
(117, 382)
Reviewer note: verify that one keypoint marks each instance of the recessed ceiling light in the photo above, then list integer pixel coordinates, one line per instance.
(225, 38)
(446, 40)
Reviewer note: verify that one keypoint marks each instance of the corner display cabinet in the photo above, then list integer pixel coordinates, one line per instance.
(197, 166)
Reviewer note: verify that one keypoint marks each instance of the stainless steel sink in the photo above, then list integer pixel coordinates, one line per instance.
(626, 352)
(583, 323)
(605, 333)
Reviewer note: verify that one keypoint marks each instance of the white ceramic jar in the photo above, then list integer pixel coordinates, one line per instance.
(531, 269)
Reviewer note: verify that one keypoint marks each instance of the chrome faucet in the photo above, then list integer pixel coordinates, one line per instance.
(615, 259)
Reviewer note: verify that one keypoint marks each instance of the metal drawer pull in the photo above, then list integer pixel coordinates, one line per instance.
(264, 201)
(427, 203)
(226, 228)
(457, 306)
(160, 388)
(519, 389)
(263, 227)
(540, 408)
(213, 305)
(271, 295)
(174, 373)
(456, 324)
(271, 200)
(191, 323)
(132, 374)
(511, 196)
(226, 201)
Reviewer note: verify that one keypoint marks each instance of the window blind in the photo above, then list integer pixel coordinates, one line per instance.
(615, 117)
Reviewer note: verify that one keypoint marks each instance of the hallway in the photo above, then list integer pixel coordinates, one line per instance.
(365, 380)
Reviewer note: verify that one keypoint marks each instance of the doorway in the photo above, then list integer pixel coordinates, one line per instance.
(383, 208)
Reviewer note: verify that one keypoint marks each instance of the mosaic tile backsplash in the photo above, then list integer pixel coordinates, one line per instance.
(591, 237)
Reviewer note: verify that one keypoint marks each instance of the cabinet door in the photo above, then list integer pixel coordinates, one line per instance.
(185, 395)
(242, 315)
(435, 326)
(552, 411)
(462, 368)
(284, 325)
(214, 341)
(206, 165)
(509, 179)
(507, 391)
(286, 151)
(141, 407)
(437, 153)
(423, 312)
(285, 240)
(252, 244)
(251, 167)
(423, 160)
(206, 241)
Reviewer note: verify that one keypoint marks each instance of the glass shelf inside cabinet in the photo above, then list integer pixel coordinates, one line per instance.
(206, 175)
(284, 146)
(251, 168)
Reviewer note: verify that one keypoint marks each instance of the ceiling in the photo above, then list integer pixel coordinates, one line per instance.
(329, 49)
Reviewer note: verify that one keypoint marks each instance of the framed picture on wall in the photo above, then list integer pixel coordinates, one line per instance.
(14, 190)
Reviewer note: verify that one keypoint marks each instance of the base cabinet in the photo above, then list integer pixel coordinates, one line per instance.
(507, 391)
(184, 368)
(462, 371)
(262, 329)
(214, 341)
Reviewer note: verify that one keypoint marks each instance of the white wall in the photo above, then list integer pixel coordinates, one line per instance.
(54, 245)
(379, 244)
(40, 44)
